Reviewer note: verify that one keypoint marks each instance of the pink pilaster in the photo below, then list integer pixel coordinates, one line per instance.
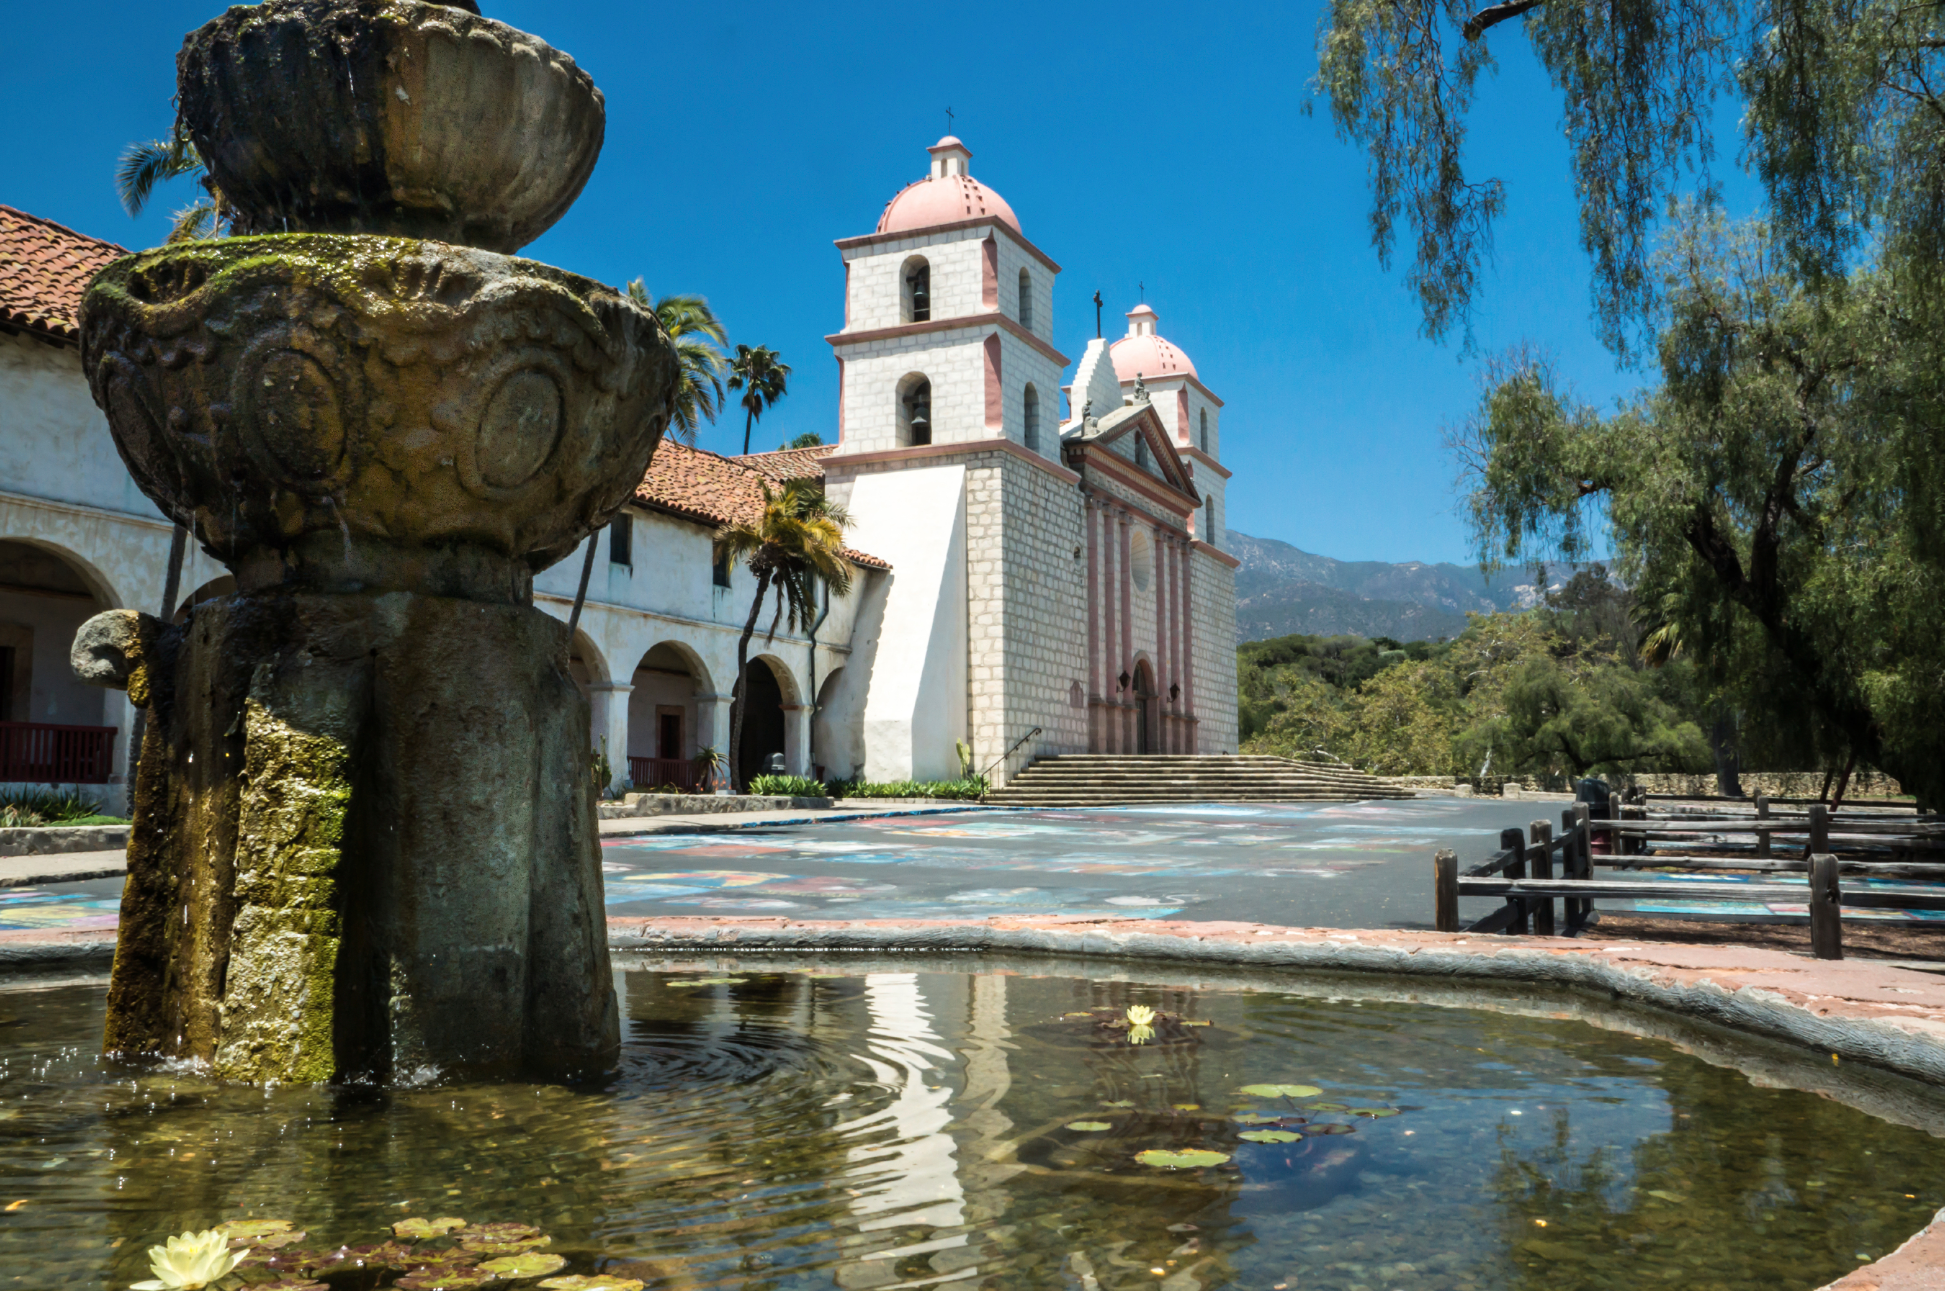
(1093, 632)
(1189, 642)
(1124, 554)
(1178, 552)
(1158, 543)
(1110, 638)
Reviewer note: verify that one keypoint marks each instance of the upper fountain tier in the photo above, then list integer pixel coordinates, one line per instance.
(388, 116)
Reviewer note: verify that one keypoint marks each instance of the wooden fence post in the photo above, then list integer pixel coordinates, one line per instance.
(1512, 840)
(1762, 813)
(1445, 891)
(1578, 908)
(1542, 858)
(1819, 831)
(1826, 905)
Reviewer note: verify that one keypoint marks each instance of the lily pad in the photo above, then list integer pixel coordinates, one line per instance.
(531, 1264)
(446, 1280)
(1374, 1113)
(1197, 1022)
(581, 1282)
(1332, 1128)
(419, 1229)
(1122, 1102)
(1664, 1195)
(352, 1259)
(1193, 1159)
(1269, 1136)
(709, 981)
(1256, 1118)
(1088, 1016)
(252, 1229)
(1089, 1127)
(1281, 1091)
(1330, 1107)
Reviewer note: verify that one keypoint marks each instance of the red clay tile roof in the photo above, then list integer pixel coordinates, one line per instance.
(787, 463)
(44, 268)
(702, 486)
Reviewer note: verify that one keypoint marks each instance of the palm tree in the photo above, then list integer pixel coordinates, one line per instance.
(698, 335)
(797, 542)
(144, 165)
(761, 375)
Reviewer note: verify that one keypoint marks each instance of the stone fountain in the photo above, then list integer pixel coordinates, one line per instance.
(365, 833)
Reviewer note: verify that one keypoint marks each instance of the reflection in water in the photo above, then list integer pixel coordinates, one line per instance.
(909, 1179)
(799, 1131)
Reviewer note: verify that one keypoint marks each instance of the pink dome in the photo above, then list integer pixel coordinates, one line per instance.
(944, 197)
(949, 200)
(1142, 353)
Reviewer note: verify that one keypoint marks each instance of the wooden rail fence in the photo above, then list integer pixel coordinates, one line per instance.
(1522, 871)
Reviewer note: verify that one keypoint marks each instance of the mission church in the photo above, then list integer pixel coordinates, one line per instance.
(1041, 565)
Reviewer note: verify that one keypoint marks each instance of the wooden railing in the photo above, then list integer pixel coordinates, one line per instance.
(41, 753)
(1873, 846)
(653, 773)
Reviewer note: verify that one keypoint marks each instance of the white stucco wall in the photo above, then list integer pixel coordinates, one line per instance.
(64, 489)
(915, 705)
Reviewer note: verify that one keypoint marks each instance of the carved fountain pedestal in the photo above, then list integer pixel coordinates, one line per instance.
(365, 839)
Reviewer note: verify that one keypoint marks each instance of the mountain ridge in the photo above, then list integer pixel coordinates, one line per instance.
(1282, 589)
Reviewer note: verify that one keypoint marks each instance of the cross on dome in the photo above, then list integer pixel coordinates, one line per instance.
(947, 195)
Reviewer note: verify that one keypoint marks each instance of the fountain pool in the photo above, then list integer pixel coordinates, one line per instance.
(853, 1122)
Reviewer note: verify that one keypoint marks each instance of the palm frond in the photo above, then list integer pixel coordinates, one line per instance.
(196, 221)
(144, 165)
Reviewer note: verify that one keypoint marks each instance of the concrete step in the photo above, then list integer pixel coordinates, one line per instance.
(1093, 779)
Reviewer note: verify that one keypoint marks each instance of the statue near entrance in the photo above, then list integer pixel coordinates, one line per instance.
(364, 841)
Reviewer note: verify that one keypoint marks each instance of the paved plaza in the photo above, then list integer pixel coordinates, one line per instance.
(1349, 865)
(1344, 865)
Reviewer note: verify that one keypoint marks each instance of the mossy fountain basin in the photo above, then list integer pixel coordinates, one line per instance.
(804, 1122)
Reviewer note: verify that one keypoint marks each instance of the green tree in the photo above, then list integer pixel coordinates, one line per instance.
(763, 378)
(698, 335)
(1843, 112)
(145, 165)
(793, 545)
(809, 439)
(1775, 498)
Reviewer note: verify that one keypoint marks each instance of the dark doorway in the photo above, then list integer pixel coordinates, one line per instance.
(1144, 709)
(762, 720)
(669, 735)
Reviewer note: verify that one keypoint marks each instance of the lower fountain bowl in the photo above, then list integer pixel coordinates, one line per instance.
(298, 395)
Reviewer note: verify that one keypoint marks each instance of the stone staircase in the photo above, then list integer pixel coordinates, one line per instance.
(1105, 780)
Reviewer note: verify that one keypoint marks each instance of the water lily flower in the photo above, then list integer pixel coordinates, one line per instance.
(1140, 1034)
(1140, 1015)
(190, 1262)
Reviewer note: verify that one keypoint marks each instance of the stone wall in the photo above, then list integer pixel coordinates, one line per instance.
(1027, 603)
(1215, 654)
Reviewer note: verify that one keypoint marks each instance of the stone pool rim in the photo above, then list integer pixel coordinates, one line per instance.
(1861, 1011)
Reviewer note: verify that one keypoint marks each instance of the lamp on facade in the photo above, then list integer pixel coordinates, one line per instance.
(1124, 679)
(1174, 691)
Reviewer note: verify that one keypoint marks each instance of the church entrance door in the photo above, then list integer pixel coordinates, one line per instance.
(1144, 708)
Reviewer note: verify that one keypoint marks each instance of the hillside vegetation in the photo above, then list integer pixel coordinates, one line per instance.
(1560, 690)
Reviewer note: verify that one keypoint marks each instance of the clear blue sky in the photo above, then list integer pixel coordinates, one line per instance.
(1156, 144)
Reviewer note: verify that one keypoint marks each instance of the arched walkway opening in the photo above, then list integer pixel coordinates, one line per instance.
(664, 723)
(764, 727)
(53, 726)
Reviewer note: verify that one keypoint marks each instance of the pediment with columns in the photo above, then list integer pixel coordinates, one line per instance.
(1104, 443)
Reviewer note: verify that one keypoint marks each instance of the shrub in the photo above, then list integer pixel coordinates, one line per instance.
(46, 807)
(786, 786)
(973, 787)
